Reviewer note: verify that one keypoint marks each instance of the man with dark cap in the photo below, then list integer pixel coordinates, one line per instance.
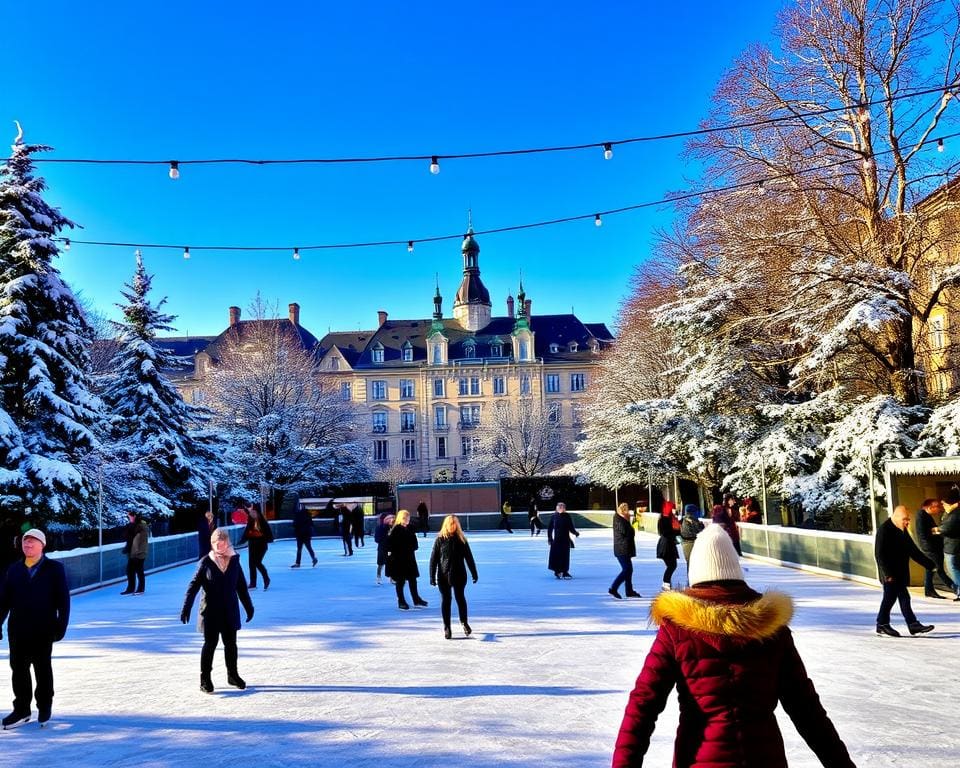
(894, 549)
(37, 599)
(930, 541)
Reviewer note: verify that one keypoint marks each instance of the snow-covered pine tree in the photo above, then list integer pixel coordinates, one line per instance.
(160, 456)
(46, 428)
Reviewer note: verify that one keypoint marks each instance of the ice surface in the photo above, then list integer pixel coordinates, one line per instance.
(339, 677)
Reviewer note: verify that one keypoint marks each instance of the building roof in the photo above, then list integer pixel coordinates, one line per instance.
(306, 339)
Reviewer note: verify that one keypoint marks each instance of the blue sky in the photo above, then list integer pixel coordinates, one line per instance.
(287, 80)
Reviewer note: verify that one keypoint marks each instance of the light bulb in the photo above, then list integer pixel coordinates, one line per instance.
(410, 246)
(939, 149)
(434, 165)
(296, 254)
(186, 252)
(66, 244)
(174, 169)
(608, 151)
(597, 221)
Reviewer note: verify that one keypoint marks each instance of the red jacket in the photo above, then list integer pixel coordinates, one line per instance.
(731, 656)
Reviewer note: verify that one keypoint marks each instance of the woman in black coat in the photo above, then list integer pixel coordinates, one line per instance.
(558, 537)
(220, 576)
(380, 534)
(624, 549)
(449, 561)
(402, 559)
(668, 527)
(258, 537)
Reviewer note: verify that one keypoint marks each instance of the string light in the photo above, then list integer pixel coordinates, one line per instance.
(186, 252)
(296, 254)
(174, 170)
(939, 145)
(66, 244)
(608, 151)
(862, 112)
(410, 246)
(597, 217)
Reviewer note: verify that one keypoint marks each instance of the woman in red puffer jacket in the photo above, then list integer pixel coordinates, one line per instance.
(731, 656)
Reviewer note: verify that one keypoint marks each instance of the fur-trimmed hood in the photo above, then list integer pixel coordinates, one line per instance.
(757, 619)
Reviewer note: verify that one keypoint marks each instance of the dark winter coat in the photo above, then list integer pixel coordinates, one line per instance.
(624, 538)
(690, 528)
(950, 530)
(558, 536)
(930, 543)
(380, 534)
(402, 553)
(667, 543)
(423, 516)
(725, 521)
(894, 549)
(343, 519)
(451, 557)
(249, 537)
(730, 655)
(38, 607)
(219, 607)
(302, 523)
(137, 535)
(356, 520)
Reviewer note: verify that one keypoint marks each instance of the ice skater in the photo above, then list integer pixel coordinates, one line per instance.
(137, 534)
(343, 518)
(357, 523)
(220, 576)
(303, 530)
(380, 534)
(559, 531)
(894, 549)
(402, 559)
(533, 517)
(449, 561)
(423, 517)
(729, 652)
(668, 527)
(37, 600)
(257, 536)
(505, 511)
(624, 549)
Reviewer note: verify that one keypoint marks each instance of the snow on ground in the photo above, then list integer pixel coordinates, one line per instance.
(338, 675)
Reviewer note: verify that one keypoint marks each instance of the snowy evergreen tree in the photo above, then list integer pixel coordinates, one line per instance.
(160, 457)
(48, 418)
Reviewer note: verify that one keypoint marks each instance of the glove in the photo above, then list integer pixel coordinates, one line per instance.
(578, 535)
(433, 582)
(474, 579)
(184, 618)
(249, 615)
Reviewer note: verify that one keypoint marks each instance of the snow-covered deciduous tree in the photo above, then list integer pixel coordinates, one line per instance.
(287, 430)
(393, 473)
(522, 439)
(159, 455)
(47, 413)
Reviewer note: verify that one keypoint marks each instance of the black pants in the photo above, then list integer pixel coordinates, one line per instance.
(26, 653)
(928, 588)
(347, 545)
(505, 523)
(448, 590)
(256, 551)
(358, 537)
(626, 573)
(414, 595)
(892, 593)
(135, 573)
(304, 541)
(671, 566)
(211, 636)
(535, 525)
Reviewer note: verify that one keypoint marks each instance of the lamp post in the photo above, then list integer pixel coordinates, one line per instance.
(100, 516)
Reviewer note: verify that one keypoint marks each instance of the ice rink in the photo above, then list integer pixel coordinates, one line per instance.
(338, 676)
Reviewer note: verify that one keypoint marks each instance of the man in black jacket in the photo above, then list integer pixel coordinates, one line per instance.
(931, 544)
(36, 597)
(894, 550)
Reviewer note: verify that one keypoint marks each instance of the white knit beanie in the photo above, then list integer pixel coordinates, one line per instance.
(713, 557)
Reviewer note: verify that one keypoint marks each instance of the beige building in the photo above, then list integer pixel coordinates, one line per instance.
(423, 386)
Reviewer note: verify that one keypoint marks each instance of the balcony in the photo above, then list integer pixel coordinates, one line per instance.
(469, 424)
(408, 427)
(441, 427)
(379, 429)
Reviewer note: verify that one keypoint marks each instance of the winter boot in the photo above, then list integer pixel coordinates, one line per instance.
(402, 605)
(916, 628)
(446, 631)
(614, 593)
(16, 719)
(206, 684)
(235, 680)
(886, 629)
(43, 715)
(266, 583)
(466, 628)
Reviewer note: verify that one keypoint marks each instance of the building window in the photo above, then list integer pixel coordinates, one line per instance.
(378, 390)
(937, 336)
(380, 450)
(409, 450)
(469, 350)
(334, 363)
(553, 382)
(573, 347)
(441, 447)
(524, 385)
(379, 421)
(475, 385)
(407, 352)
(377, 354)
(470, 415)
(553, 415)
(406, 389)
(524, 355)
(440, 416)
(408, 421)
(554, 348)
(462, 386)
(499, 385)
(346, 390)
(496, 350)
(437, 354)
(578, 382)
(438, 388)
(469, 446)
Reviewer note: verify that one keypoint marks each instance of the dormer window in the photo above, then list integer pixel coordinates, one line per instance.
(470, 349)
(407, 350)
(496, 350)
(595, 346)
(573, 346)
(554, 348)
(377, 353)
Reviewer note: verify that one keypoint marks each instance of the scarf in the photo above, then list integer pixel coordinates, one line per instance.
(222, 561)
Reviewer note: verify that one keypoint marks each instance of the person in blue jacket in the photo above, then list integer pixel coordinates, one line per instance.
(36, 598)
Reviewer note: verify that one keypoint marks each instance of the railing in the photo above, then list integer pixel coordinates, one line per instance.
(441, 427)
(468, 424)
(379, 428)
(408, 427)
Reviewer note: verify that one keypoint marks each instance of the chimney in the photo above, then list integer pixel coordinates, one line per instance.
(381, 317)
(526, 307)
(509, 305)
(234, 315)
(294, 310)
